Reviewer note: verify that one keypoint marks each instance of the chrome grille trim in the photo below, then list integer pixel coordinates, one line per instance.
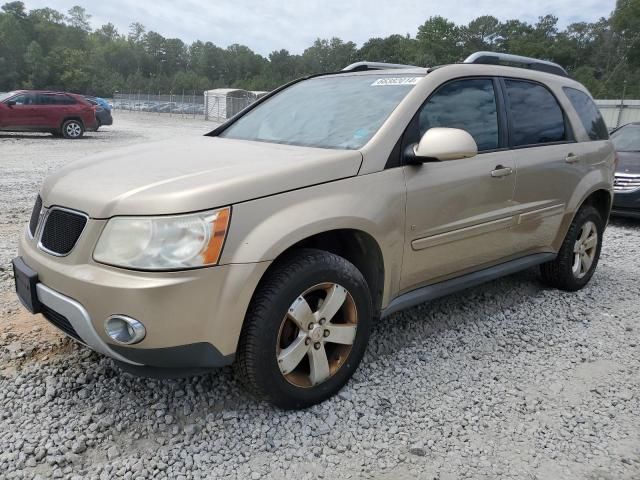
(626, 182)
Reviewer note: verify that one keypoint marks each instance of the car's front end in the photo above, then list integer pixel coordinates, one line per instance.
(127, 257)
(157, 316)
(626, 202)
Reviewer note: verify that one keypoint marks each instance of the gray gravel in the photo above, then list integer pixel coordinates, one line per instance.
(509, 380)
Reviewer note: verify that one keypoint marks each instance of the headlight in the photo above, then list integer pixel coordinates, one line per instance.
(164, 243)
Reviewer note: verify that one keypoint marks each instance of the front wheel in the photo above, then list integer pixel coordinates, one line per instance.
(578, 256)
(72, 129)
(306, 330)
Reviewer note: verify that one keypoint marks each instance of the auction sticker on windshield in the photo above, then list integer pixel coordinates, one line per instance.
(395, 81)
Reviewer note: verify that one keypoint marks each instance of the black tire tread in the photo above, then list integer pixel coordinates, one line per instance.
(64, 123)
(246, 364)
(554, 273)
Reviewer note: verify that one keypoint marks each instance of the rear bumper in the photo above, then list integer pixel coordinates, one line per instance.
(104, 118)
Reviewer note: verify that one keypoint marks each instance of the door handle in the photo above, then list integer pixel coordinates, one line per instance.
(571, 158)
(501, 171)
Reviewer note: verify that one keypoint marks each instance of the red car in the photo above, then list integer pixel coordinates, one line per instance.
(62, 114)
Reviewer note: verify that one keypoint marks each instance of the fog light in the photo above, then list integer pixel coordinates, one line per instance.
(124, 330)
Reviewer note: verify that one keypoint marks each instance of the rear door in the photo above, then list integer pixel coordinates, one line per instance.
(52, 108)
(459, 212)
(548, 162)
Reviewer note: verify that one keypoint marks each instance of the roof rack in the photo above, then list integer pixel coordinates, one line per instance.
(361, 66)
(495, 58)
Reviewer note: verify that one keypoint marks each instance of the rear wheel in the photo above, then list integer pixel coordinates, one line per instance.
(72, 129)
(306, 330)
(578, 257)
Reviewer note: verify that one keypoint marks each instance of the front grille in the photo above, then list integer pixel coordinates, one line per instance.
(61, 231)
(35, 216)
(626, 182)
(60, 321)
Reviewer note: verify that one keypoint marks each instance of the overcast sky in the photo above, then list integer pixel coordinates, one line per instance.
(267, 25)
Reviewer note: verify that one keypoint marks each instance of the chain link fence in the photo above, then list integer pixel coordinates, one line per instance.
(217, 105)
(184, 104)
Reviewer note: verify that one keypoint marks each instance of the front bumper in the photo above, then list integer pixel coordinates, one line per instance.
(626, 204)
(193, 318)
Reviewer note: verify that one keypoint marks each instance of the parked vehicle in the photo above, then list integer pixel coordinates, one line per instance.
(277, 240)
(626, 140)
(103, 115)
(63, 114)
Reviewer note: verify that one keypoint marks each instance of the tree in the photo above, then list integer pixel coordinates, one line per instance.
(47, 49)
(15, 9)
(392, 49)
(439, 42)
(329, 55)
(136, 32)
(36, 66)
(78, 18)
(107, 33)
(482, 33)
(626, 23)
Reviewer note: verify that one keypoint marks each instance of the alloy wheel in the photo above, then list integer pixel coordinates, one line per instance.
(316, 335)
(73, 130)
(584, 249)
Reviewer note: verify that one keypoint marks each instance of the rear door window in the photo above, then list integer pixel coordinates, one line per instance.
(588, 112)
(54, 99)
(535, 115)
(466, 104)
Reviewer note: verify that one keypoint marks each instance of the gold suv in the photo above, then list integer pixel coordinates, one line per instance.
(276, 240)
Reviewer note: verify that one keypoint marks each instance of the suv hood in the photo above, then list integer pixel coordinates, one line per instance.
(628, 162)
(191, 174)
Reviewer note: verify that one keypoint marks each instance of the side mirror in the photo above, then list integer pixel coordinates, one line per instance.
(11, 103)
(441, 144)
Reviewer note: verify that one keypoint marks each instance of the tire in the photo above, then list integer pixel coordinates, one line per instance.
(282, 361)
(575, 264)
(72, 129)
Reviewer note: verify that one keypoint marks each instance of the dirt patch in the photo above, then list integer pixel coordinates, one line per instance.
(26, 338)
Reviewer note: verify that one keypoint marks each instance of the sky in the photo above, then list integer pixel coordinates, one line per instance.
(268, 25)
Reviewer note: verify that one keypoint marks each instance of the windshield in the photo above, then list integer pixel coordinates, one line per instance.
(341, 112)
(4, 96)
(627, 139)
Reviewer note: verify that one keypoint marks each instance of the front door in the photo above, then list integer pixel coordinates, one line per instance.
(22, 114)
(460, 212)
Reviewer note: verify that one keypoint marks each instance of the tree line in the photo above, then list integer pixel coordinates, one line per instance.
(45, 48)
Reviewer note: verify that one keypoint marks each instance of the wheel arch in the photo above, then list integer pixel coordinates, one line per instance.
(599, 196)
(602, 200)
(72, 117)
(357, 246)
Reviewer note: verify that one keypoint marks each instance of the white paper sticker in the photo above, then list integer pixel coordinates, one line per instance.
(381, 82)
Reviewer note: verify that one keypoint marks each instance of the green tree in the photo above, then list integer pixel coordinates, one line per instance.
(37, 66)
(78, 18)
(439, 42)
(626, 23)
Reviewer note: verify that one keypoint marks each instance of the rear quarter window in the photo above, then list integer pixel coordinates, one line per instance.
(588, 112)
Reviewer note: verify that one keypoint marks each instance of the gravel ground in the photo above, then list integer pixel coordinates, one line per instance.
(509, 380)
